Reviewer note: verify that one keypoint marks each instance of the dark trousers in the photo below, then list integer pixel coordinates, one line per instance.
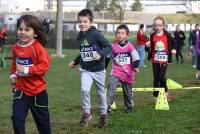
(198, 62)
(38, 106)
(170, 57)
(159, 73)
(178, 53)
(107, 60)
(127, 92)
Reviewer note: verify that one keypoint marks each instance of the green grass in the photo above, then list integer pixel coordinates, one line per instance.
(65, 106)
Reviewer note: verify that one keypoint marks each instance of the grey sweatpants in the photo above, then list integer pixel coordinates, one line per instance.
(87, 79)
(127, 92)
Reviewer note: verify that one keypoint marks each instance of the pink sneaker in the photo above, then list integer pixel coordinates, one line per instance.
(154, 100)
(169, 98)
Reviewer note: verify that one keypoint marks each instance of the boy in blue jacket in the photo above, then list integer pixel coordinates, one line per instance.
(93, 50)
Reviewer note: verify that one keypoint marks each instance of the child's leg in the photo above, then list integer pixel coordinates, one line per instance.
(128, 95)
(112, 85)
(99, 81)
(163, 83)
(19, 111)
(86, 83)
(156, 76)
(39, 110)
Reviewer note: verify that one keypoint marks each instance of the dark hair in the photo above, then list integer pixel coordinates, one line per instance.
(86, 13)
(123, 26)
(36, 24)
(141, 26)
(196, 25)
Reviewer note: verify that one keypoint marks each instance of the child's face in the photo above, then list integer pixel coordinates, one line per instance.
(121, 35)
(158, 25)
(84, 23)
(26, 34)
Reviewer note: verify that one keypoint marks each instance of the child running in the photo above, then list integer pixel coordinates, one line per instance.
(30, 63)
(125, 62)
(161, 43)
(93, 50)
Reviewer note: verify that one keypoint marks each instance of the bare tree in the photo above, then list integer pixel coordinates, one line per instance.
(117, 8)
(189, 6)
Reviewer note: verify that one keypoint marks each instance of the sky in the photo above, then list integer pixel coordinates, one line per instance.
(23, 3)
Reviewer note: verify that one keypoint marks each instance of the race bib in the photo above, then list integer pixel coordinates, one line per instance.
(161, 56)
(87, 53)
(88, 56)
(122, 58)
(26, 62)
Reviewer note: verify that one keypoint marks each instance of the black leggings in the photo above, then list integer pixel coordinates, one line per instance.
(159, 73)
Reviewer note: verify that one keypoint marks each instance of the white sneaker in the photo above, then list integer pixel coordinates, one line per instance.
(194, 66)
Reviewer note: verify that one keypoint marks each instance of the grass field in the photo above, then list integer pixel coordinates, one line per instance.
(65, 109)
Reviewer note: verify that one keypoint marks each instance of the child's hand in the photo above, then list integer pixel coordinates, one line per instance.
(191, 47)
(189, 54)
(136, 70)
(71, 64)
(148, 44)
(173, 51)
(13, 80)
(96, 56)
(20, 68)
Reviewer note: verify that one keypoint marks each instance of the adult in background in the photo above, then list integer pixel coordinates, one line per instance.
(193, 41)
(46, 25)
(141, 41)
(3, 35)
(179, 37)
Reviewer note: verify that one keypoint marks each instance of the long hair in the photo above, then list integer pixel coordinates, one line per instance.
(36, 24)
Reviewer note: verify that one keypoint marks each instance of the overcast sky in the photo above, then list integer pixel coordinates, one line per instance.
(23, 3)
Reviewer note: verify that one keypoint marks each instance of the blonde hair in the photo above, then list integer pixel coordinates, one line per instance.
(159, 18)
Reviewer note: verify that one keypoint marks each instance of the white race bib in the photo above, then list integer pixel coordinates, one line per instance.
(88, 56)
(161, 56)
(122, 60)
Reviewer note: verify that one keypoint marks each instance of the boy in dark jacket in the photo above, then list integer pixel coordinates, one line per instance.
(93, 50)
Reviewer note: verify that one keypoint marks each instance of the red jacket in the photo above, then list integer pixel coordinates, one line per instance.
(141, 38)
(3, 33)
(35, 57)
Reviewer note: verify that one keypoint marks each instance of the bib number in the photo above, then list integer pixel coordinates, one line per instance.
(88, 56)
(161, 56)
(122, 60)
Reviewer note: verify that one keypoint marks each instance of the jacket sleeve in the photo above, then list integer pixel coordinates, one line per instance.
(190, 39)
(103, 42)
(184, 37)
(77, 59)
(43, 61)
(150, 48)
(13, 64)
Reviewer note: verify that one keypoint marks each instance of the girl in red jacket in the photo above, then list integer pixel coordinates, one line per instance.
(30, 63)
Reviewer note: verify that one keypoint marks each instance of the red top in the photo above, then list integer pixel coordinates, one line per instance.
(141, 38)
(3, 33)
(160, 49)
(35, 57)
